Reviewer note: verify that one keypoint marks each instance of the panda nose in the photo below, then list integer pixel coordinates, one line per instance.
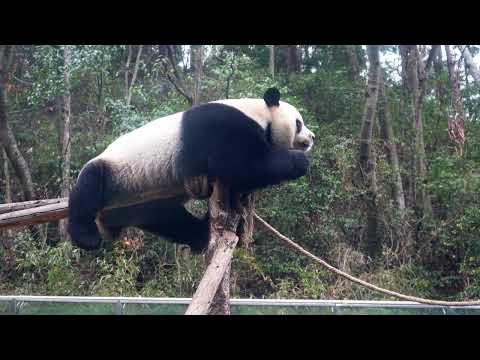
(305, 143)
(312, 136)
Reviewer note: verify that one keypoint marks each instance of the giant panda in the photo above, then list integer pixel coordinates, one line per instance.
(140, 179)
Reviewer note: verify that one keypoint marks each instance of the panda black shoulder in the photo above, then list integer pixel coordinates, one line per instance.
(217, 119)
(216, 132)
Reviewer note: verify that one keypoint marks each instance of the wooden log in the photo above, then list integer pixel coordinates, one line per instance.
(31, 216)
(7, 208)
(213, 292)
(25, 213)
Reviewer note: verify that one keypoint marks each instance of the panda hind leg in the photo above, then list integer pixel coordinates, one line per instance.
(179, 226)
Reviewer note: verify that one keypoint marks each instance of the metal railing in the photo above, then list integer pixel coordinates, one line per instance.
(69, 305)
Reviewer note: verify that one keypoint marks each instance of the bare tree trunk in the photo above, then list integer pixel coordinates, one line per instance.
(193, 61)
(385, 121)
(134, 76)
(438, 68)
(416, 86)
(62, 225)
(472, 68)
(403, 50)
(198, 57)
(6, 135)
(456, 121)
(6, 172)
(403, 234)
(293, 64)
(127, 71)
(366, 155)
(177, 79)
(354, 68)
(6, 240)
(271, 60)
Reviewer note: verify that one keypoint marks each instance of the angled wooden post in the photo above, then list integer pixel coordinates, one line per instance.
(213, 292)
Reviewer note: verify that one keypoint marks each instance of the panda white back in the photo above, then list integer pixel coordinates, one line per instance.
(143, 160)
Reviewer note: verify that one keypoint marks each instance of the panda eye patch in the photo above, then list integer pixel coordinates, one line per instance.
(299, 126)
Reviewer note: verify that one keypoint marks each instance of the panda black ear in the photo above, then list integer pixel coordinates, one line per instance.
(272, 97)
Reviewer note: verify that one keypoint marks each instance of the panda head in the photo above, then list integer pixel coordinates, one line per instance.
(288, 130)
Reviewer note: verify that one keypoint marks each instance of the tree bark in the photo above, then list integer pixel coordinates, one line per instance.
(367, 161)
(213, 292)
(127, 71)
(38, 215)
(438, 68)
(11, 207)
(293, 64)
(134, 76)
(6, 240)
(65, 191)
(403, 50)
(416, 87)
(456, 121)
(472, 68)
(6, 172)
(271, 60)
(354, 67)
(198, 70)
(7, 137)
(177, 79)
(386, 127)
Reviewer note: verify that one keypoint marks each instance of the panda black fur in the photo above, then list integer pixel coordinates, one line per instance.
(247, 143)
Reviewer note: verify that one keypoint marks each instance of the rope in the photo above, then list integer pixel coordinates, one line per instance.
(329, 267)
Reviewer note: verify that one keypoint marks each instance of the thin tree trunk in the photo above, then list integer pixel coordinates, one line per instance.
(6, 240)
(7, 137)
(63, 232)
(472, 68)
(416, 87)
(403, 235)
(198, 57)
(438, 68)
(293, 64)
(385, 121)
(403, 50)
(193, 61)
(354, 68)
(271, 60)
(366, 155)
(177, 79)
(127, 71)
(456, 121)
(6, 172)
(134, 76)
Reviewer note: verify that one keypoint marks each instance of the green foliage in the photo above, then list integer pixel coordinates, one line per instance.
(322, 211)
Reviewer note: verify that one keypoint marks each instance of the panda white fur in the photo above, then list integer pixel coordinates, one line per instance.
(247, 143)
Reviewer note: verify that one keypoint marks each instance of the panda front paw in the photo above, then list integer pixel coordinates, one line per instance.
(300, 163)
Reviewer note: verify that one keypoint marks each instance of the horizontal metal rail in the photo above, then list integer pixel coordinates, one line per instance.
(244, 302)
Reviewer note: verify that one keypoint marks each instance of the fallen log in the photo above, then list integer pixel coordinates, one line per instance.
(34, 215)
(7, 208)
